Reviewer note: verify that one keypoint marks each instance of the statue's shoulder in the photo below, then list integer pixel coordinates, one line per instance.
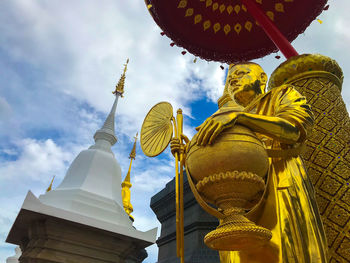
(282, 88)
(283, 91)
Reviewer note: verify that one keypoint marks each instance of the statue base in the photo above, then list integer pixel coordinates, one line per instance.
(234, 193)
(237, 233)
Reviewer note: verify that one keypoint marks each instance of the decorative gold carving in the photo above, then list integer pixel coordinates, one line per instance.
(216, 27)
(319, 79)
(222, 8)
(344, 248)
(229, 9)
(237, 229)
(208, 3)
(248, 25)
(271, 15)
(119, 88)
(234, 227)
(227, 29)
(215, 6)
(157, 129)
(238, 28)
(244, 8)
(197, 19)
(206, 24)
(303, 67)
(205, 185)
(237, 9)
(182, 4)
(189, 12)
(279, 7)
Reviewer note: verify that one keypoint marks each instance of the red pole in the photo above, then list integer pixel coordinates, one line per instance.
(270, 29)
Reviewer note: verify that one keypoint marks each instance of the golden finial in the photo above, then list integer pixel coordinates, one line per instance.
(50, 186)
(126, 185)
(119, 88)
(133, 151)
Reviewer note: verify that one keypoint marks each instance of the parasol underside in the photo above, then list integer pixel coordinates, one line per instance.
(223, 30)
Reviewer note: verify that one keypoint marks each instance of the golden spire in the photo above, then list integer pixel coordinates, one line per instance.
(50, 186)
(126, 185)
(119, 88)
(133, 151)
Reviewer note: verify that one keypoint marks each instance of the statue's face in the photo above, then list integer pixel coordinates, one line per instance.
(245, 82)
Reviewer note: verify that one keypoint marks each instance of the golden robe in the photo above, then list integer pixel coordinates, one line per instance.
(288, 207)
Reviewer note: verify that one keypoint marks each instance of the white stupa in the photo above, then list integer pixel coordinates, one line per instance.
(89, 195)
(92, 185)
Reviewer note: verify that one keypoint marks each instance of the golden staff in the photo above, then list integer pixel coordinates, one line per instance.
(179, 120)
(178, 249)
(179, 204)
(156, 133)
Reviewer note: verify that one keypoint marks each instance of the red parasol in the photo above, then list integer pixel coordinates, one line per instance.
(234, 30)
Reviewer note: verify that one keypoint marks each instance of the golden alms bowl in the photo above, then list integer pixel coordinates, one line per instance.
(230, 175)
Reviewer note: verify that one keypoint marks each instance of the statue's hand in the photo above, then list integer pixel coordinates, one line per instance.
(212, 127)
(176, 146)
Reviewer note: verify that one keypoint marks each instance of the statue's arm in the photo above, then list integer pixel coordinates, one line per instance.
(290, 123)
(274, 127)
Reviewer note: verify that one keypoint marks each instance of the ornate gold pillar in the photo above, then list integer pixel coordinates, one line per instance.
(327, 153)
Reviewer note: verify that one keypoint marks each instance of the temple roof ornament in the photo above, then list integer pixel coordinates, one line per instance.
(107, 132)
(126, 185)
(119, 88)
(50, 186)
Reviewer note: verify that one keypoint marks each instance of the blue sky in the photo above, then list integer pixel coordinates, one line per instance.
(59, 62)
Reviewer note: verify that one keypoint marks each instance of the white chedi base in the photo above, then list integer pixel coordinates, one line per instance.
(14, 259)
(92, 186)
(33, 210)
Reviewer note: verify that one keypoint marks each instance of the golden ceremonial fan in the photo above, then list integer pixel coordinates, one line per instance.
(156, 133)
(157, 129)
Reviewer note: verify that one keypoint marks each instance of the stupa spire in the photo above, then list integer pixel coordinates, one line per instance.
(119, 88)
(50, 186)
(107, 132)
(126, 185)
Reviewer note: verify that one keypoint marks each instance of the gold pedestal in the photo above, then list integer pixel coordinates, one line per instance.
(327, 154)
(234, 192)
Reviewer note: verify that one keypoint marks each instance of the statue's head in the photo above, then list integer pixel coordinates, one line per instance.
(244, 82)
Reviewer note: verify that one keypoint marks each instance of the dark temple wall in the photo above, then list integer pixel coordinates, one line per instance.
(197, 224)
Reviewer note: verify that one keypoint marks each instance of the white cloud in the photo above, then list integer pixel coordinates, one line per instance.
(38, 160)
(83, 54)
(152, 180)
(5, 109)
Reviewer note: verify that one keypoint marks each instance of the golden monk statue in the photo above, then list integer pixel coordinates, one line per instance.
(281, 119)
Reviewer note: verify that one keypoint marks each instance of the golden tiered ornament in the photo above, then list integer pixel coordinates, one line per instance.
(230, 175)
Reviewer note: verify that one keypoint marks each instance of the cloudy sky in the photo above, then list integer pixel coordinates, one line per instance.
(59, 62)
